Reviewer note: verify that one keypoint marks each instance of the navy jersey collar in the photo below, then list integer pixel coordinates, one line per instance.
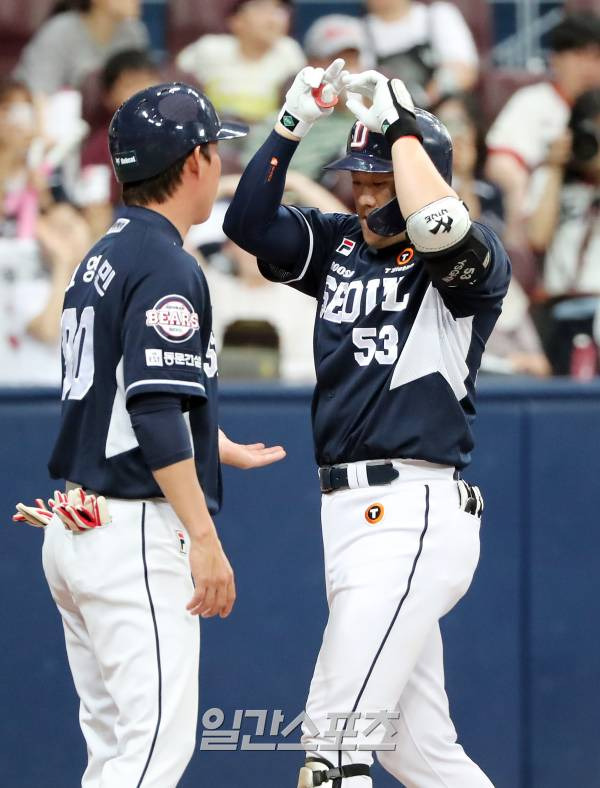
(157, 220)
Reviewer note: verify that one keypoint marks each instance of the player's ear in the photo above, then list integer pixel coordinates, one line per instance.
(198, 162)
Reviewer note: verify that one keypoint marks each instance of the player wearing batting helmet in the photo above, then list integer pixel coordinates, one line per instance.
(132, 556)
(408, 291)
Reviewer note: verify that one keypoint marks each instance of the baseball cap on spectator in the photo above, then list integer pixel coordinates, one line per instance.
(576, 31)
(334, 33)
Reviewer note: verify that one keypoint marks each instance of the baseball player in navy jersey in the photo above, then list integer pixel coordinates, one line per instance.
(139, 428)
(405, 306)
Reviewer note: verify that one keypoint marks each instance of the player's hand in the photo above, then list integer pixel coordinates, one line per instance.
(214, 592)
(249, 455)
(302, 107)
(38, 516)
(389, 99)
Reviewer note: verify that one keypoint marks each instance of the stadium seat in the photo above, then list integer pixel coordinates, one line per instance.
(498, 85)
(19, 19)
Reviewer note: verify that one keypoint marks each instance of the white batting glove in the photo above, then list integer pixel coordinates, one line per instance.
(38, 516)
(392, 111)
(302, 106)
(80, 512)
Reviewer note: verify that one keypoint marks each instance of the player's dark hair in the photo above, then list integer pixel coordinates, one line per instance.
(576, 31)
(161, 186)
(122, 62)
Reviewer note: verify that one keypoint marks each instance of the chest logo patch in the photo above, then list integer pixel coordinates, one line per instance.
(405, 256)
(346, 247)
(173, 318)
(374, 513)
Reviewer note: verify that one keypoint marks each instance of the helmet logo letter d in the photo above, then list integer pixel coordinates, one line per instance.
(360, 137)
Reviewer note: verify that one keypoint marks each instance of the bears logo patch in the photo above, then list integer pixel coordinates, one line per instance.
(173, 318)
(374, 513)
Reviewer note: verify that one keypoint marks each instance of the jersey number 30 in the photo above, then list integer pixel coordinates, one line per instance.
(78, 352)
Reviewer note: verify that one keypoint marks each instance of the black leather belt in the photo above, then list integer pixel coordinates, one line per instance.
(335, 477)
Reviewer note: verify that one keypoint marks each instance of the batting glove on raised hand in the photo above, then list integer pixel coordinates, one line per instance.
(392, 111)
(80, 512)
(313, 95)
(38, 516)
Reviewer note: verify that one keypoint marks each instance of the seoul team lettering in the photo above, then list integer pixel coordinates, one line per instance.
(345, 302)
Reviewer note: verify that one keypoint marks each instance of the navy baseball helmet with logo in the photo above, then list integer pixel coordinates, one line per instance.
(157, 126)
(367, 151)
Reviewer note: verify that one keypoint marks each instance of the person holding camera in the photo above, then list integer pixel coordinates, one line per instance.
(536, 116)
(564, 225)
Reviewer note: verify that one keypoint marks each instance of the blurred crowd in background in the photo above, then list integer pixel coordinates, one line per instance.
(526, 160)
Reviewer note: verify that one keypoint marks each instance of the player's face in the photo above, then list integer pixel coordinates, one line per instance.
(372, 190)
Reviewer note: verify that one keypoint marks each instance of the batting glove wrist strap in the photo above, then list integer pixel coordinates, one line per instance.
(294, 124)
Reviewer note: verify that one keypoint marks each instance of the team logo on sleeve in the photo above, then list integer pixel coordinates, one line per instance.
(346, 247)
(173, 318)
(374, 513)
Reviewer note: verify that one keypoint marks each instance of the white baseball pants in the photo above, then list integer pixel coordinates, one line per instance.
(388, 584)
(133, 649)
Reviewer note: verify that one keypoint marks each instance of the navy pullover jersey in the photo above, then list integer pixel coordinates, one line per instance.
(136, 319)
(396, 354)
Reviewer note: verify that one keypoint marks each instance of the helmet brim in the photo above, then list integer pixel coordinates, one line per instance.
(231, 130)
(361, 163)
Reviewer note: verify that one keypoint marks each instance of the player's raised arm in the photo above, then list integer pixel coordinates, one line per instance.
(256, 220)
(458, 253)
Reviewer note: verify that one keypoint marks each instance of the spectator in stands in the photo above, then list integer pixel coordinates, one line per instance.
(40, 244)
(243, 72)
(429, 46)
(536, 116)
(124, 74)
(564, 224)
(21, 186)
(461, 115)
(77, 40)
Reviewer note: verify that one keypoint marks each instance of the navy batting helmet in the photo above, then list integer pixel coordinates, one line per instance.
(367, 151)
(157, 126)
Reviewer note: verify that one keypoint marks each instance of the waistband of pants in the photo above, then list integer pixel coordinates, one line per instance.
(369, 473)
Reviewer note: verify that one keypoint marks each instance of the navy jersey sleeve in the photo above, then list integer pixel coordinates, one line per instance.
(291, 244)
(322, 233)
(489, 290)
(162, 345)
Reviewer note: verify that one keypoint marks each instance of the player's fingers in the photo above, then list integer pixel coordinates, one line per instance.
(312, 77)
(269, 456)
(208, 607)
(254, 446)
(333, 70)
(358, 109)
(194, 606)
(231, 597)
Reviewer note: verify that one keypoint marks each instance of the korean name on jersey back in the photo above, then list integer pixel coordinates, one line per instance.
(136, 320)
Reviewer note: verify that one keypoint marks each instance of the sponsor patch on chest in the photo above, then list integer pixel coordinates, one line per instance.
(346, 247)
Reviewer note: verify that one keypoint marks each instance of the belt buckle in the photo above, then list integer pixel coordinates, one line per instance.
(325, 479)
